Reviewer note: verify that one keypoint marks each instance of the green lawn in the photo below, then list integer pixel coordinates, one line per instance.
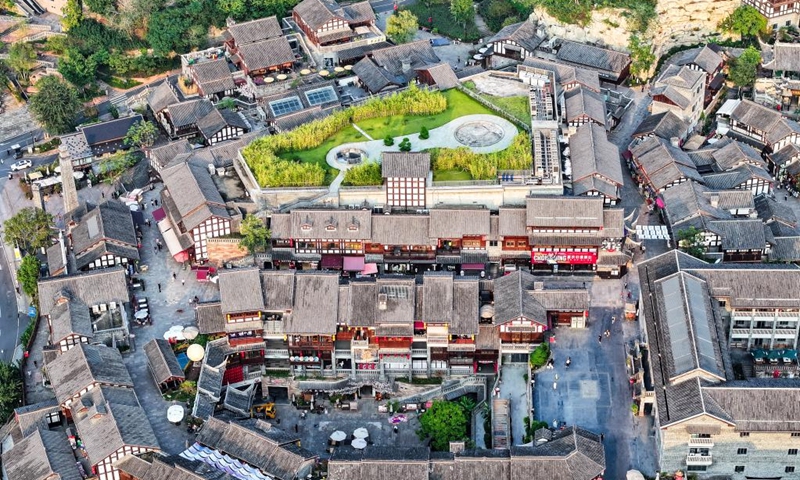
(458, 105)
(450, 175)
(517, 106)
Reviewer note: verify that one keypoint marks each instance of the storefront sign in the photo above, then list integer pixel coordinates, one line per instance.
(571, 258)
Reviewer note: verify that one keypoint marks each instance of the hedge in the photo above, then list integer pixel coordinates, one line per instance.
(271, 171)
(484, 166)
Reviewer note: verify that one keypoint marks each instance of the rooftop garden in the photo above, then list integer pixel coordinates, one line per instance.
(297, 158)
(517, 106)
(455, 164)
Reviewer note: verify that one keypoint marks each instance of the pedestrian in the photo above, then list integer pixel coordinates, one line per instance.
(156, 200)
(103, 194)
(608, 333)
(174, 276)
(786, 198)
(155, 248)
(153, 202)
(183, 282)
(159, 288)
(600, 338)
(296, 428)
(36, 364)
(602, 438)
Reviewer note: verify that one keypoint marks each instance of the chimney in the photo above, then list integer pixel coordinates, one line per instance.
(406, 64)
(69, 190)
(675, 141)
(714, 200)
(538, 285)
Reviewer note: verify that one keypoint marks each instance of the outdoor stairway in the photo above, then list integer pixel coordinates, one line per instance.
(450, 390)
(501, 430)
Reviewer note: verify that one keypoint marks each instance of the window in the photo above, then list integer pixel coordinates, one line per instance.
(744, 434)
(741, 451)
(789, 469)
(285, 106)
(796, 434)
(493, 243)
(696, 468)
(738, 469)
(792, 451)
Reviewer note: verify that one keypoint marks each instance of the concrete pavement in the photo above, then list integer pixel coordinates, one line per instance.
(514, 388)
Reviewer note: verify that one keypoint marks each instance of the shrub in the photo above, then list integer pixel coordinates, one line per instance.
(368, 173)
(484, 166)
(405, 145)
(424, 134)
(540, 355)
(388, 141)
(272, 171)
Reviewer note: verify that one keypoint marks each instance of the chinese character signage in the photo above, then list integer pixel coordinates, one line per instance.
(572, 258)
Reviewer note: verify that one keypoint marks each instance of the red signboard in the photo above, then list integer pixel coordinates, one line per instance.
(571, 258)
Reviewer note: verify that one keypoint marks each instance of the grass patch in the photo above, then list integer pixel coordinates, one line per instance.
(122, 83)
(450, 175)
(443, 22)
(517, 106)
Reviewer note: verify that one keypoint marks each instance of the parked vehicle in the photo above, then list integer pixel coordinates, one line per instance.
(21, 165)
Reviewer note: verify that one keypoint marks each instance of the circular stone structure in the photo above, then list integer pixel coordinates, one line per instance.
(482, 133)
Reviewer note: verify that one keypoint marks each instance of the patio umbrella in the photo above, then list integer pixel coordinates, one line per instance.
(789, 355)
(175, 414)
(338, 436)
(359, 444)
(191, 333)
(361, 433)
(142, 314)
(634, 475)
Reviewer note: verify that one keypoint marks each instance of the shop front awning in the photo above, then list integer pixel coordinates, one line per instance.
(159, 214)
(353, 264)
(332, 262)
(370, 268)
(173, 244)
(473, 266)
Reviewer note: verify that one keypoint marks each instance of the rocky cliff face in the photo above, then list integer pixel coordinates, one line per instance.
(679, 22)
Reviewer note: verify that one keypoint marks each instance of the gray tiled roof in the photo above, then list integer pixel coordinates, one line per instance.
(240, 290)
(335, 224)
(110, 418)
(756, 406)
(44, 454)
(163, 155)
(733, 154)
(565, 74)
(740, 234)
(582, 101)
(70, 317)
(91, 288)
(255, 30)
(209, 318)
(703, 57)
(210, 124)
(188, 113)
(83, 365)
(788, 154)
(458, 222)
(592, 154)
(33, 416)
(465, 307)
(401, 229)
(162, 361)
(278, 288)
(767, 120)
(663, 163)
(522, 33)
(735, 178)
(405, 164)
(513, 222)
(679, 77)
(213, 76)
(162, 97)
(442, 75)
(316, 301)
(544, 212)
(786, 249)
(374, 77)
(315, 13)
(593, 57)
(109, 227)
(781, 56)
(266, 53)
(665, 125)
(194, 193)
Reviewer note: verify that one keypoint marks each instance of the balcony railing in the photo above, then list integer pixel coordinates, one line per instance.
(438, 340)
(461, 347)
(516, 347)
(763, 332)
(701, 442)
(419, 352)
(340, 353)
(697, 459)
(276, 353)
(360, 343)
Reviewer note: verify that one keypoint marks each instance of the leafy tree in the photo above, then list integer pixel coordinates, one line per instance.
(226, 103)
(56, 44)
(368, 173)
(7, 5)
(21, 59)
(462, 11)
(114, 167)
(388, 140)
(112, 109)
(10, 389)
(56, 105)
(642, 57)
(29, 229)
(746, 21)
(743, 69)
(255, 235)
(236, 9)
(540, 355)
(690, 240)
(72, 14)
(443, 423)
(142, 134)
(424, 134)
(405, 145)
(401, 26)
(77, 69)
(467, 404)
(102, 7)
(28, 275)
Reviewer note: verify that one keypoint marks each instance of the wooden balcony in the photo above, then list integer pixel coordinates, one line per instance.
(311, 345)
(461, 345)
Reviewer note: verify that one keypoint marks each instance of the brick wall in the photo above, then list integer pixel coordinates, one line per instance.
(222, 250)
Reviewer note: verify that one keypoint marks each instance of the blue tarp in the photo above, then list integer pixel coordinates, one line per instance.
(439, 42)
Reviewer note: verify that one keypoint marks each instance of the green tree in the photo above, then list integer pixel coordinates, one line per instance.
(28, 275)
(388, 140)
(255, 235)
(56, 105)
(142, 134)
(72, 14)
(405, 145)
(29, 229)
(642, 57)
(21, 59)
(114, 167)
(236, 9)
(690, 240)
(744, 68)
(368, 173)
(10, 389)
(78, 70)
(443, 423)
(746, 21)
(424, 134)
(462, 11)
(401, 26)
(102, 7)
(540, 355)
(112, 109)
(226, 103)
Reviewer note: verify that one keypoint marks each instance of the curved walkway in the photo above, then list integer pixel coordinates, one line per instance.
(442, 137)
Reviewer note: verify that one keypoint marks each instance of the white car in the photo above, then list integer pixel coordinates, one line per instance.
(21, 165)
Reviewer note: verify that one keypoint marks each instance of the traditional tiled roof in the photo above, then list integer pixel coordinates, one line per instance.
(593, 57)
(70, 317)
(565, 74)
(91, 288)
(341, 224)
(108, 228)
(255, 30)
(704, 57)
(84, 365)
(165, 154)
(582, 101)
(570, 212)
(522, 33)
(666, 125)
(740, 234)
(216, 120)
(42, 455)
(458, 222)
(401, 229)
(405, 164)
(593, 155)
(266, 53)
(240, 290)
(663, 163)
(315, 13)
(113, 130)
(781, 56)
(162, 97)
(210, 318)
(442, 75)
(194, 193)
(316, 300)
(162, 361)
(374, 77)
(278, 289)
(759, 117)
(213, 76)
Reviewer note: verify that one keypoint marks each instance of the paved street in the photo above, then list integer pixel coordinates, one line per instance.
(9, 314)
(514, 387)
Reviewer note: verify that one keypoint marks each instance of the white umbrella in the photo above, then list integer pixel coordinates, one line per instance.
(142, 314)
(338, 436)
(175, 414)
(191, 332)
(175, 332)
(361, 433)
(359, 444)
(634, 475)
